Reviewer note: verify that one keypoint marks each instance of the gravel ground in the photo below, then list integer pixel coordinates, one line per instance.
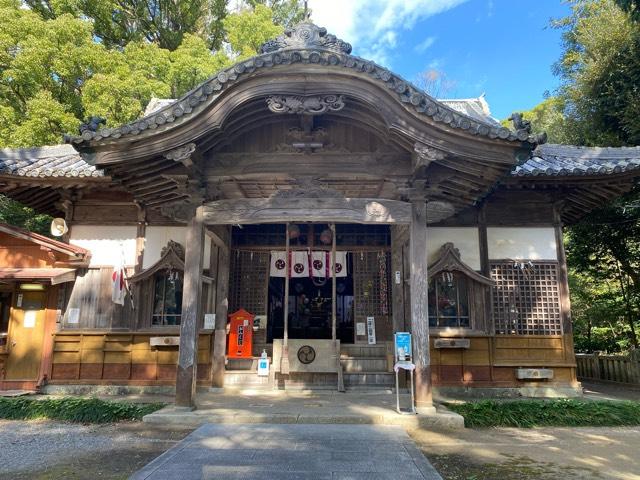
(49, 450)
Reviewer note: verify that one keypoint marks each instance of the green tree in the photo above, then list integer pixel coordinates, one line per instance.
(605, 249)
(13, 213)
(285, 12)
(54, 73)
(548, 117)
(163, 22)
(249, 29)
(600, 73)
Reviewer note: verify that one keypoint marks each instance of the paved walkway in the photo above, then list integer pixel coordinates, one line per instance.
(300, 452)
(300, 407)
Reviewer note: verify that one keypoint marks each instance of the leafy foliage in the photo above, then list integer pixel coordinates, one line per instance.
(603, 253)
(547, 413)
(62, 61)
(548, 117)
(70, 409)
(14, 213)
(600, 72)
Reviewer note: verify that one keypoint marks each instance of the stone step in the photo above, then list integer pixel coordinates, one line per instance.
(370, 379)
(363, 364)
(244, 378)
(363, 350)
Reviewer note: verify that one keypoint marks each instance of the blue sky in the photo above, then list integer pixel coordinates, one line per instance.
(502, 48)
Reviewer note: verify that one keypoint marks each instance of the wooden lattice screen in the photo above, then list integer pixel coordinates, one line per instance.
(372, 289)
(526, 299)
(249, 281)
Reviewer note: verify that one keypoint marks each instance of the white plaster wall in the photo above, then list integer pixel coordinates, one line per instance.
(106, 243)
(522, 242)
(465, 239)
(157, 237)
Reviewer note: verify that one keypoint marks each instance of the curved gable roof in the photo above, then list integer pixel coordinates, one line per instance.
(305, 44)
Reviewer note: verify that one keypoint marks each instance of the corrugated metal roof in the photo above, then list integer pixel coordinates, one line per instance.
(568, 160)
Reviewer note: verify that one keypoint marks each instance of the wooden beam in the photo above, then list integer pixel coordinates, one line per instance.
(283, 210)
(190, 321)
(419, 287)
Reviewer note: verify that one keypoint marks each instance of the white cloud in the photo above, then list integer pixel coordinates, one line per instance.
(374, 27)
(424, 45)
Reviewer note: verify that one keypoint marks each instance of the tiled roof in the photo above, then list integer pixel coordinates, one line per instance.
(307, 43)
(51, 161)
(477, 108)
(567, 160)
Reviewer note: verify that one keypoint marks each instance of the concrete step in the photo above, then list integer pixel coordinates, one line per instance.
(363, 364)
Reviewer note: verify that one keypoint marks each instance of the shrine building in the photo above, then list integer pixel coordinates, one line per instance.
(327, 204)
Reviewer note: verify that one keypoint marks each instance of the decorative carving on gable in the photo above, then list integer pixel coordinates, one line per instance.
(300, 141)
(449, 261)
(307, 187)
(176, 247)
(306, 35)
(171, 258)
(310, 105)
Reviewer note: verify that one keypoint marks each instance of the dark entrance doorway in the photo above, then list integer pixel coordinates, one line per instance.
(310, 307)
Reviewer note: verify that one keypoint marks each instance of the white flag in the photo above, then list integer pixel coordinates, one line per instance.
(320, 264)
(278, 263)
(299, 264)
(118, 287)
(341, 264)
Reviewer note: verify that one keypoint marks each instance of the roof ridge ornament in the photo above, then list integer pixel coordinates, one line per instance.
(306, 35)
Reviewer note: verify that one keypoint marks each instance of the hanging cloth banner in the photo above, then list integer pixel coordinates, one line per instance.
(341, 263)
(278, 263)
(299, 264)
(320, 264)
(307, 264)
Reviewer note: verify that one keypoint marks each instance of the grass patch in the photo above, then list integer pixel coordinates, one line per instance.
(548, 413)
(82, 410)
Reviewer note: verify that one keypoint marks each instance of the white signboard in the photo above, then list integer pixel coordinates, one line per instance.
(209, 321)
(30, 318)
(74, 316)
(371, 330)
(361, 330)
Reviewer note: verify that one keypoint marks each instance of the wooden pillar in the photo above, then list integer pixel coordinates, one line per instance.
(334, 279)
(284, 359)
(222, 310)
(141, 230)
(398, 237)
(563, 276)
(190, 322)
(419, 286)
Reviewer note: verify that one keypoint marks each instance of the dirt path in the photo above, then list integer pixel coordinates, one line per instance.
(527, 454)
(46, 450)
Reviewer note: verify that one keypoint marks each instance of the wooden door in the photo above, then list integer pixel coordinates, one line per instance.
(26, 336)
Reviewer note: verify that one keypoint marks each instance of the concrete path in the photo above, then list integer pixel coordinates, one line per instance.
(301, 452)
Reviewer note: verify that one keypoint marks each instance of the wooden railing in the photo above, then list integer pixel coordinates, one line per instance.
(609, 368)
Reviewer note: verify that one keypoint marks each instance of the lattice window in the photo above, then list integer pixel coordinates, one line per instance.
(371, 283)
(248, 282)
(526, 298)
